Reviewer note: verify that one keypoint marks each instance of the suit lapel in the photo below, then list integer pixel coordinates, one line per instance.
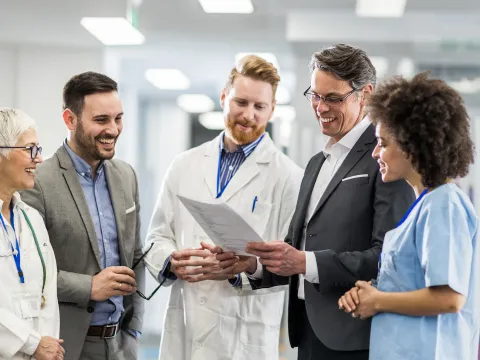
(355, 154)
(115, 188)
(71, 178)
(304, 198)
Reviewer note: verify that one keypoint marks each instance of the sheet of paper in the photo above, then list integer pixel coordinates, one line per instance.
(222, 224)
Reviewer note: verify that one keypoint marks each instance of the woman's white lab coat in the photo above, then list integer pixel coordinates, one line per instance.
(212, 320)
(22, 321)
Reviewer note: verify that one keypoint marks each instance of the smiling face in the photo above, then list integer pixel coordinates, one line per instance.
(336, 120)
(247, 107)
(95, 132)
(394, 163)
(17, 172)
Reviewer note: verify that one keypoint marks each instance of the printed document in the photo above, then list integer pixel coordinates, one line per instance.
(225, 227)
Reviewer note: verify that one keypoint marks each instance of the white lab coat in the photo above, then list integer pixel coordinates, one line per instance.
(211, 320)
(20, 333)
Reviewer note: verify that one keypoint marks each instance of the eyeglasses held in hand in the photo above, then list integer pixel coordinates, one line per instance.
(159, 286)
(34, 150)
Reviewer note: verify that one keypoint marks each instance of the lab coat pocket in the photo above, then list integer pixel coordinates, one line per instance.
(262, 318)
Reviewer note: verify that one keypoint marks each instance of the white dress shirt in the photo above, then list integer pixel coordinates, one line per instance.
(335, 154)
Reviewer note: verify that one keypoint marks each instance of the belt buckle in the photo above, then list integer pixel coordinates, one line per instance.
(109, 327)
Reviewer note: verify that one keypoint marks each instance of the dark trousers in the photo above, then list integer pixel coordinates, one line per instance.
(311, 348)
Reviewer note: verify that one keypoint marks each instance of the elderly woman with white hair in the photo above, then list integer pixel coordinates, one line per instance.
(29, 316)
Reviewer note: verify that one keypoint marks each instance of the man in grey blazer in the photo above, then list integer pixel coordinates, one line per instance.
(343, 212)
(89, 203)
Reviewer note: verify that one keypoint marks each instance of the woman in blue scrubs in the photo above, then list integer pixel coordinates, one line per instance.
(425, 301)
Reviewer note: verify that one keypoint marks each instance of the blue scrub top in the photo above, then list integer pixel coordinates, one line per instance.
(436, 245)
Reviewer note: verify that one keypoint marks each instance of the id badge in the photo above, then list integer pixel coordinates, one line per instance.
(27, 306)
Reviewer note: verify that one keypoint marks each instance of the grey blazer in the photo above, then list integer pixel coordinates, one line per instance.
(346, 235)
(59, 198)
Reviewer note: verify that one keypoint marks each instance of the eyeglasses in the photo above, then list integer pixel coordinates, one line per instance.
(159, 286)
(34, 150)
(330, 100)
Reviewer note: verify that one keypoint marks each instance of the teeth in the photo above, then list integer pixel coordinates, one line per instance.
(106, 141)
(31, 171)
(327, 120)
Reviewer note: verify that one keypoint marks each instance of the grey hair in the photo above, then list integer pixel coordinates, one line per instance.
(13, 124)
(347, 63)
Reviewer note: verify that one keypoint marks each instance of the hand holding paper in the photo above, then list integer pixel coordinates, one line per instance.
(222, 224)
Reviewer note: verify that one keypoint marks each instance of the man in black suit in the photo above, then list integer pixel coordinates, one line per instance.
(343, 212)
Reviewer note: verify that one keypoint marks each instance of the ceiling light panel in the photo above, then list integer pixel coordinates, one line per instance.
(380, 8)
(195, 103)
(167, 79)
(113, 30)
(227, 6)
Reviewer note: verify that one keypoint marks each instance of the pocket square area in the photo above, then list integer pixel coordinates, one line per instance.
(355, 177)
(129, 210)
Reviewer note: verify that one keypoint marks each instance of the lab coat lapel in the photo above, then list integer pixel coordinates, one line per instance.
(250, 169)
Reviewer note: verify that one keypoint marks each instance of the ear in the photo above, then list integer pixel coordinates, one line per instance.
(223, 96)
(70, 119)
(366, 92)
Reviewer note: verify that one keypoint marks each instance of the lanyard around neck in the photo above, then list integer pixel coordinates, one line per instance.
(18, 265)
(15, 251)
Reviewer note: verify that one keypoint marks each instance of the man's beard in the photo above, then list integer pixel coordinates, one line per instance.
(241, 137)
(88, 146)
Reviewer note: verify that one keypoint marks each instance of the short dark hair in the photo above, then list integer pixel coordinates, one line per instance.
(347, 63)
(84, 84)
(430, 123)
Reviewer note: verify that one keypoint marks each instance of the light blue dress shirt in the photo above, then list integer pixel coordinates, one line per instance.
(436, 245)
(103, 217)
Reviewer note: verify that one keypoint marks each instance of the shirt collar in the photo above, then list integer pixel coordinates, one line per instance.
(246, 149)
(350, 139)
(17, 201)
(81, 165)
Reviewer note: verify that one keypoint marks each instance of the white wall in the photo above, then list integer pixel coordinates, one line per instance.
(32, 79)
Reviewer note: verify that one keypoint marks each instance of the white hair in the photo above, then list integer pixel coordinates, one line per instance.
(13, 124)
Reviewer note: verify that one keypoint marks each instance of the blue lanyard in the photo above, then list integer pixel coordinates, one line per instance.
(220, 191)
(16, 254)
(424, 192)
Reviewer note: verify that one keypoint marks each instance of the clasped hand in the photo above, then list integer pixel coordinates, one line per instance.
(360, 301)
(209, 262)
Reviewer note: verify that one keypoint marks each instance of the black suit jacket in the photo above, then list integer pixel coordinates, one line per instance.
(346, 234)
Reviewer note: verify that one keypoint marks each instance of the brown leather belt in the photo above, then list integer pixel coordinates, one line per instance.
(104, 332)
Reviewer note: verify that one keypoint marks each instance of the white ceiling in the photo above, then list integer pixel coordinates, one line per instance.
(179, 34)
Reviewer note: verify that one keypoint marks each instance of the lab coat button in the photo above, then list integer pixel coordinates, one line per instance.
(202, 301)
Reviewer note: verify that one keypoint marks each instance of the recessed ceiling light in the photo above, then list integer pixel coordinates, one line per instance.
(113, 30)
(227, 6)
(380, 8)
(195, 103)
(167, 79)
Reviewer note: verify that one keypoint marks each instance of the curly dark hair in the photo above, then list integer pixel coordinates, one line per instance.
(429, 121)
